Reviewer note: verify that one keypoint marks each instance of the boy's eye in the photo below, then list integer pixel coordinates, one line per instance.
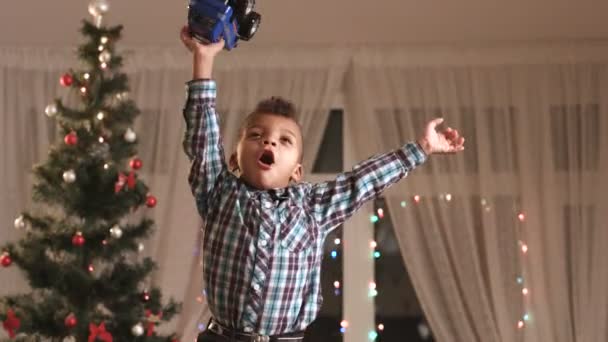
(286, 140)
(254, 135)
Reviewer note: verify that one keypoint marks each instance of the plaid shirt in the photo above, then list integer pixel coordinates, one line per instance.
(262, 249)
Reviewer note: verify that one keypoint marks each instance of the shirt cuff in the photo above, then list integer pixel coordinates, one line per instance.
(412, 155)
(201, 89)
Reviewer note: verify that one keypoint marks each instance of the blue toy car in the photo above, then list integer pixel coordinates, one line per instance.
(211, 20)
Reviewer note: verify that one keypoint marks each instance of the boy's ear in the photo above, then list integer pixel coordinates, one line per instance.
(233, 163)
(297, 173)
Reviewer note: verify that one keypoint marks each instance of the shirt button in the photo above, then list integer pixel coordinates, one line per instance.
(248, 329)
(268, 205)
(263, 243)
(256, 287)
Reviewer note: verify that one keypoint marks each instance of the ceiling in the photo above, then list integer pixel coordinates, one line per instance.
(324, 22)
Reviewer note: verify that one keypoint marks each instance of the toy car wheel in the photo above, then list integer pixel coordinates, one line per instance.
(242, 8)
(249, 26)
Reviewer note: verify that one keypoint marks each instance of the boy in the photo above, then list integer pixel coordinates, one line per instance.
(264, 230)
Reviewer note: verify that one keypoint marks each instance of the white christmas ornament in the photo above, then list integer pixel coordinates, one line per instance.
(116, 232)
(19, 222)
(130, 135)
(138, 329)
(140, 247)
(51, 110)
(69, 176)
(105, 56)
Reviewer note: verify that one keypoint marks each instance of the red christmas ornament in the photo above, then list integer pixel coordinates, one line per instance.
(5, 259)
(66, 80)
(145, 296)
(136, 163)
(99, 332)
(70, 321)
(78, 240)
(12, 323)
(151, 201)
(71, 139)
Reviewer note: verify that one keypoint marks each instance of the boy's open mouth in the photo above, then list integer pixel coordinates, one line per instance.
(267, 158)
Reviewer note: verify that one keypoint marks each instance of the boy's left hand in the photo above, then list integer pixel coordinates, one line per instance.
(444, 141)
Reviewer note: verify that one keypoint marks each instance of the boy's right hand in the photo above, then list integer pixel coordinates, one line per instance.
(196, 47)
(204, 54)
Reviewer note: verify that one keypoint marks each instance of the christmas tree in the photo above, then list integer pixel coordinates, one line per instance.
(79, 254)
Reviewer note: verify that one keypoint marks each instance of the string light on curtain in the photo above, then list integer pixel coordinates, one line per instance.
(373, 291)
(525, 291)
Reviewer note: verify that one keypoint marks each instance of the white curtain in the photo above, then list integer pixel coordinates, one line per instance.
(536, 124)
(29, 81)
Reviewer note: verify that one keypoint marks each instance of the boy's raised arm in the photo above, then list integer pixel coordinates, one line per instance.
(335, 201)
(202, 140)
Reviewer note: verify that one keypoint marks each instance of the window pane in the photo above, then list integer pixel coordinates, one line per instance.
(329, 158)
(399, 316)
(326, 327)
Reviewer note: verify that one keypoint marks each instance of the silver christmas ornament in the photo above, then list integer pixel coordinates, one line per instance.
(50, 110)
(138, 329)
(130, 135)
(19, 222)
(69, 176)
(116, 232)
(105, 56)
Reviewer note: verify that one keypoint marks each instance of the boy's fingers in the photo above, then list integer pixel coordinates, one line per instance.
(434, 123)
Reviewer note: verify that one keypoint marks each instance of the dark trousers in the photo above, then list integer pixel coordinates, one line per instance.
(210, 336)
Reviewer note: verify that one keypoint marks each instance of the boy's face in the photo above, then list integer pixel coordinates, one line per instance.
(269, 151)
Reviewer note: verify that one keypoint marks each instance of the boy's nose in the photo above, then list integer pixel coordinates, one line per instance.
(268, 142)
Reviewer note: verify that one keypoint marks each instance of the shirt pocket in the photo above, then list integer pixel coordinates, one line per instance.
(296, 233)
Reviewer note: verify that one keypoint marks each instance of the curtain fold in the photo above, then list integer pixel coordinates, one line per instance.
(536, 145)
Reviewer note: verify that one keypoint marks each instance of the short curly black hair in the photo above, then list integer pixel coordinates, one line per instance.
(274, 105)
